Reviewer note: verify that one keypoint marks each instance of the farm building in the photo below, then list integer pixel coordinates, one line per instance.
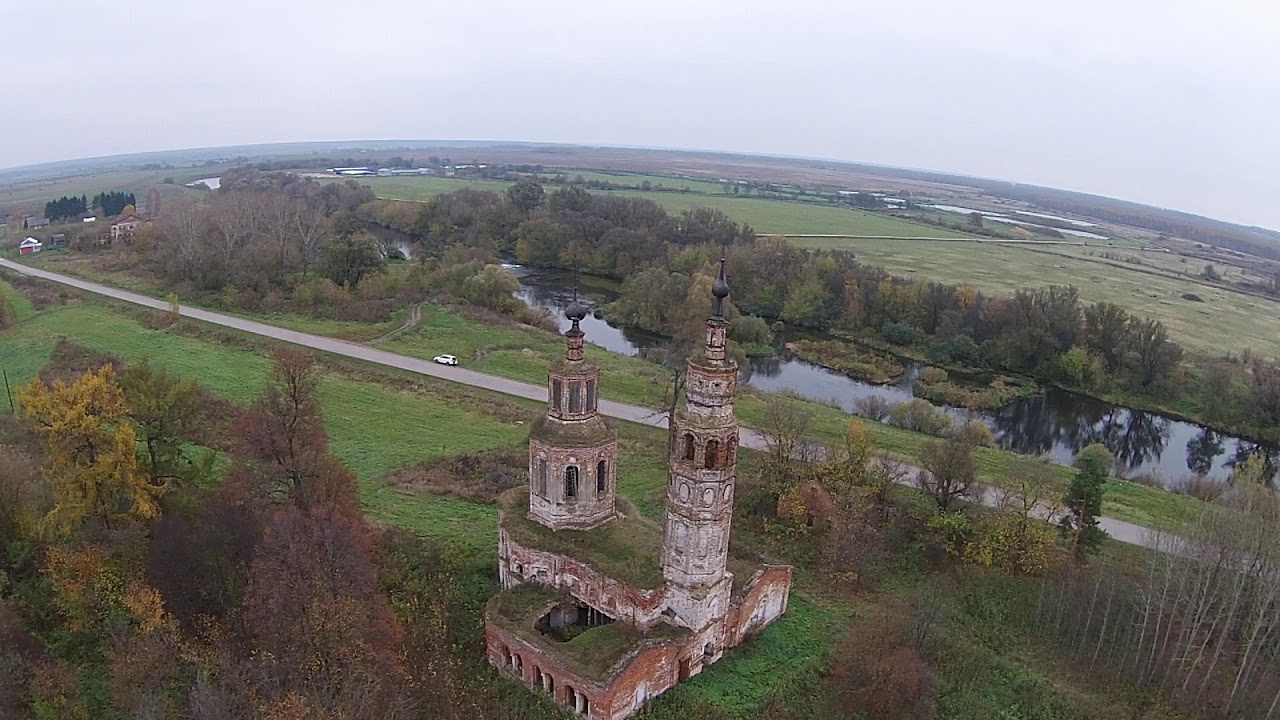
(125, 226)
(30, 245)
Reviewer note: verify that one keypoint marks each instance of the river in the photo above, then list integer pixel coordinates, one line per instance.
(1056, 424)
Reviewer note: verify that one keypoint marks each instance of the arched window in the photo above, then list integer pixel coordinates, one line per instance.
(731, 452)
(571, 481)
(602, 476)
(689, 447)
(711, 458)
(542, 477)
(556, 389)
(591, 395)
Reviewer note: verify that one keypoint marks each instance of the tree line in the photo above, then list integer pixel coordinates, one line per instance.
(65, 207)
(114, 202)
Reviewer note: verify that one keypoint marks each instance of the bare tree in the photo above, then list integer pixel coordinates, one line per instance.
(310, 232)
(236, 218)
(183, 225)
(949, 470)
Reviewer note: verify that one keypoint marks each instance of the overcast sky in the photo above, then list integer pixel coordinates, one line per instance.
(1170, 102)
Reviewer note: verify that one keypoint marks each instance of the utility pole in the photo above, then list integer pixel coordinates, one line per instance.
(8, 393)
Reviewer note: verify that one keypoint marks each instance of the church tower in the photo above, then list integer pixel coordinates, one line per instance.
(573, 452)
(703, 471)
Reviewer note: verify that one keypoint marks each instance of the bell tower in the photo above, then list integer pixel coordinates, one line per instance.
(702, 475)
(573, 452)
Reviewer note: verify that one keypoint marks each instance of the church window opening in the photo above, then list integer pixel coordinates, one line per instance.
(542, 476)
(556, 389)
(571, 481)
(712, 455)
(575, 397)
(602, 476)
(591, 395)
(689, 447)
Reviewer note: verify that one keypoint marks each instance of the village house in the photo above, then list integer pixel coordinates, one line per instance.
(601, 609)
(125, 226)
(35, 223)
(29, 246)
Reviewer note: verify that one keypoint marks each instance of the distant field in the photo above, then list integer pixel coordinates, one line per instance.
(765, 216)
(626, 178)
(424, 187)
(36, 193)
(1224, 321)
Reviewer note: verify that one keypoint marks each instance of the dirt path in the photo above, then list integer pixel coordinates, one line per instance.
(415, 317)
(1118, 529)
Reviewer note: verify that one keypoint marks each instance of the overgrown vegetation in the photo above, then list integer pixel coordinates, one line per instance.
(848, 359)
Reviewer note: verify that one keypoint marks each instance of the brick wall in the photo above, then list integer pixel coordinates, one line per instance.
(518, 564)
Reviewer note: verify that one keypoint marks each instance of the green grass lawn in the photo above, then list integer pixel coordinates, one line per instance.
(1225, 321)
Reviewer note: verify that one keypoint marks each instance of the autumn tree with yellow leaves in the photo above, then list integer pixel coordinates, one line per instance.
(92, 452)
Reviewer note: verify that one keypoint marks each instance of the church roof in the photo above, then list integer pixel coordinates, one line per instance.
(629, 549)
(590, 432)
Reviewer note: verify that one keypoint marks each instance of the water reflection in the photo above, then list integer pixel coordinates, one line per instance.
(1201, 450)
(1056, 424)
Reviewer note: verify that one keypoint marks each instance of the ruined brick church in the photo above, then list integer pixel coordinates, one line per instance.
(603, 609)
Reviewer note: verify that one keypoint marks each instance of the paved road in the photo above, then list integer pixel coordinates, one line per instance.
(1118, 529)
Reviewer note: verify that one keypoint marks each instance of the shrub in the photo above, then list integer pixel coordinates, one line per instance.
(920, 416)
(959, 349)
(975, 433)
(900, 333)
(1200, 487)
(750, 330)
(873, 407)
(932, 375)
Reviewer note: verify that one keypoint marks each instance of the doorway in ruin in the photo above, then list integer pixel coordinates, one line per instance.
(569, 620)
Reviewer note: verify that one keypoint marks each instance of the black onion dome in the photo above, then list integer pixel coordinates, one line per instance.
(576, 311)
(721, 288)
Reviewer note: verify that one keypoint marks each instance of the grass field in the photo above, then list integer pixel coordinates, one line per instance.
(36, 193)
(764, 216)
(373, 427)
(629, 178)
(1225, 321)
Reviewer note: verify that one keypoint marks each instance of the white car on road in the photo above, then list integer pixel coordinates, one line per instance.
(446, 359)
